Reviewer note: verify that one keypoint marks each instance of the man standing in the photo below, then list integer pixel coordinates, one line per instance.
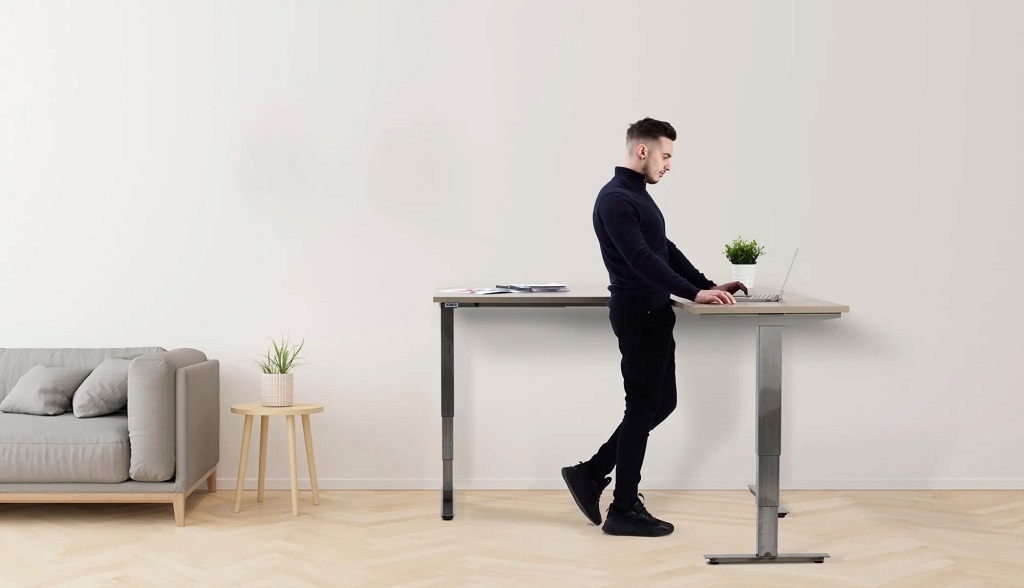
(645, 269)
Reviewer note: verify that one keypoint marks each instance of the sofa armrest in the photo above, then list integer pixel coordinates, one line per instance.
(197, 404)
(152, 400)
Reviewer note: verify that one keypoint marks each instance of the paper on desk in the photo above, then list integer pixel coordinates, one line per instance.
(480, 291)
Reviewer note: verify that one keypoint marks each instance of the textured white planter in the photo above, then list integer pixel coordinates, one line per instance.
(744, 273)
(276, 389)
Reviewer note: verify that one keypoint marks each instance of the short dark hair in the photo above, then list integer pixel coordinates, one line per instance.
(649, 129)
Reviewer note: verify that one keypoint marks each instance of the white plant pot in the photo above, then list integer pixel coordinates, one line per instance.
(744, 273)
(276, 389)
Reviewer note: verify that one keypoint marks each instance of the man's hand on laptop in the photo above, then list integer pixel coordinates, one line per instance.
(732, 287)
(714, 296)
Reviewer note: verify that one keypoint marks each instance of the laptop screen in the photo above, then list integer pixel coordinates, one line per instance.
(788, 272)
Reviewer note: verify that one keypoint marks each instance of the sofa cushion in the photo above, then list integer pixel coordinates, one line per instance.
(44, 390)
(63, 448)
(15, 363)
(104, 391)
(152, 382)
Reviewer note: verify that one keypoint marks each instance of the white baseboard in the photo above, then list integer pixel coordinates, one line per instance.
(558, 484)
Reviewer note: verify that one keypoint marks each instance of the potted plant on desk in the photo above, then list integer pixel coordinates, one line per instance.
(743, 257)
(277, 381)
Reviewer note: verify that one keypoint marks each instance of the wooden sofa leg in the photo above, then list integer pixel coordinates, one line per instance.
(179, 509)
(211, 482)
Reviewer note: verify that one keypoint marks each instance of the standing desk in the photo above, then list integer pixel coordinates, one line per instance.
(768, 317)
(451, 301)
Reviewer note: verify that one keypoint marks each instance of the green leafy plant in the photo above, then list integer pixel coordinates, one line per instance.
(742, 252)
(280, 358)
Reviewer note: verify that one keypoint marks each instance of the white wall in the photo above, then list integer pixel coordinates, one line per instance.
(212, 174)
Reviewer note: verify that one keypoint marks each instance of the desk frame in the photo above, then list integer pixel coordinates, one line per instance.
(768, 436)
(769, 321)
(448, 381)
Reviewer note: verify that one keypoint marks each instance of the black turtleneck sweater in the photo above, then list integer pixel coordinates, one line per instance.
(644, 267)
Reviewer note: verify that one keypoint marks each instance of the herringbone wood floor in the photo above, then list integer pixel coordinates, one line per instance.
(514, 538)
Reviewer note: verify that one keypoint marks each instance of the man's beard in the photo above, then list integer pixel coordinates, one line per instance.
(647, 173)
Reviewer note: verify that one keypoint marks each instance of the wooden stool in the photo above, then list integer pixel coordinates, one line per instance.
(252, 409)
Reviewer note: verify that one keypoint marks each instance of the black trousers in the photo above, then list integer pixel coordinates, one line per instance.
(649, 378)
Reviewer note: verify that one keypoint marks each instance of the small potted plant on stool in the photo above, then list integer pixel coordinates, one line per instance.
(277, 381)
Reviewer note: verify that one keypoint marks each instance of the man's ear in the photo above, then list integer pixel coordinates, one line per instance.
(641, 150)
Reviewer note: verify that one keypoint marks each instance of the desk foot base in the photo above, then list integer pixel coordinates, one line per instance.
(715, 559)
(783, 511)
(447, 485)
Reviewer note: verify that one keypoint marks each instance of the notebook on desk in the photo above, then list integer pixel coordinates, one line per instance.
(550, 287)
(769, 297)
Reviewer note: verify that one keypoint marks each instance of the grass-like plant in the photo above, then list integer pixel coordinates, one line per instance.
(742, 252)
(280, 358)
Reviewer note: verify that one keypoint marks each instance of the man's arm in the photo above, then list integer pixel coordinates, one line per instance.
(683, 267)
(622, 223)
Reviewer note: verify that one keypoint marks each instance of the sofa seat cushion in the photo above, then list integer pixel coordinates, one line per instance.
(64, 448)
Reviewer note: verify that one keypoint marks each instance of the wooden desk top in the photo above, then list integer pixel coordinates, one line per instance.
(790, 304)
(582, 297)
(596, 296)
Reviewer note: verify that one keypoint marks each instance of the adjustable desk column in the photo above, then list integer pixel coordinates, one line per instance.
(769, 318)
(448, 303)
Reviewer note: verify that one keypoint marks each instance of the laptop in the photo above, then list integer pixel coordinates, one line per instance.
(769, 297)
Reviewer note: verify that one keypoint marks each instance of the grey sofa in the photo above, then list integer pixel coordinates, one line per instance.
(159, 449)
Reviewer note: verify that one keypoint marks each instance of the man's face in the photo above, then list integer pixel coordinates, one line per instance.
(658, 159)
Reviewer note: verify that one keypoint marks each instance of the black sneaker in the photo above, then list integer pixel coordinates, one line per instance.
(585, 490)
(636, 522)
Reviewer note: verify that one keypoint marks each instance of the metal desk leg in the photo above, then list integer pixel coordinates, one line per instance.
(783, 511)
(447, 408)
(769, 448)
